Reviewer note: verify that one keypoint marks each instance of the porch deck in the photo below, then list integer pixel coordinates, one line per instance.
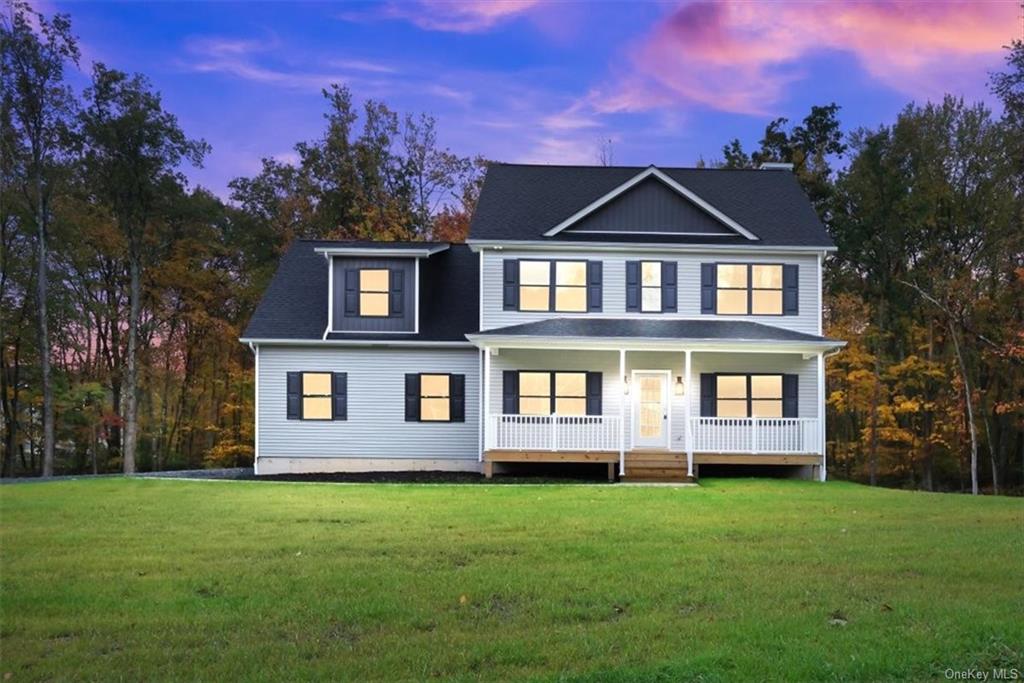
(650, 465)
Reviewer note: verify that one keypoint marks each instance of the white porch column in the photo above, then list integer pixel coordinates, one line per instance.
(480, 405)
(622, 412)
(487, 398)
(688, 435)
(821, 412)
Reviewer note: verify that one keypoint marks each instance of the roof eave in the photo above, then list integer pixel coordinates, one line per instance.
(478, 244)
(415, 252)
(556, 342)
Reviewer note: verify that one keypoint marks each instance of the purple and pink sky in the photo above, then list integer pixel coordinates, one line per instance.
(543, 82)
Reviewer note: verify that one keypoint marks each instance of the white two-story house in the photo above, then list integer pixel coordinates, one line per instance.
(652, 319)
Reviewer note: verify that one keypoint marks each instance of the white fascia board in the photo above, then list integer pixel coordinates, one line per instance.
(651, 344)
(642, 247)
(640, 177)
(424, 252)
(357, 342)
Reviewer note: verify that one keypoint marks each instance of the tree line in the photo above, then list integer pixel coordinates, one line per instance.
(124, 289)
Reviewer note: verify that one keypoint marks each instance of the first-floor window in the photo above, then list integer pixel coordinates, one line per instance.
(316, 396)
(748, 395)
(435, 398)
(541, 393)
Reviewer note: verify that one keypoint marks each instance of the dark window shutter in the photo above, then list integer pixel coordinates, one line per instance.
(790, 289)
(510, 285)
(632, 285)
(457, 398)
(412, 398)
(790, 395)
(397, 293)
(339, 396)
(669, 287)
(510, 392)
(593, 393)
(595, 288)
(707, 395)
(294, 396)
(708, 275)
(351, 292)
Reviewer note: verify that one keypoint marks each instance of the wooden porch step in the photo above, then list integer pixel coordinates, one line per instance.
(656, 472)
(638, 479)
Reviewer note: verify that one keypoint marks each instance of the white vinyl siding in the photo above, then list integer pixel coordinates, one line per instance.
(376, 426)
(614, 286)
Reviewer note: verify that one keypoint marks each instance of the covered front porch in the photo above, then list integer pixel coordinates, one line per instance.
(652, 409)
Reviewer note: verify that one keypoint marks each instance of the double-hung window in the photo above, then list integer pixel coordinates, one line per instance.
(374, 292)
(435, 398)
(748, 396)
(541, 393)
(650, 286)
(569, 279)
(748, 289)
(317, 395)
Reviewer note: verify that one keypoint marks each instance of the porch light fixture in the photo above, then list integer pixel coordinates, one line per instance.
(625, 384)
(679, 385)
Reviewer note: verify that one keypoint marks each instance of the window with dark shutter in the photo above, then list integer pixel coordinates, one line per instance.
(510, 392)
(510, 284)
(412, 397)
(340, 396)
(595, 287)
(397, 293)
(708, 278)
(317, 396)
(632, 285)
(790, 289)
(457, 398)
(790, 396)
(594, 393)
(351, 293)
(669, 287)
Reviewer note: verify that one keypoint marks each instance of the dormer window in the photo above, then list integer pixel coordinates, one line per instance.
(374, 294)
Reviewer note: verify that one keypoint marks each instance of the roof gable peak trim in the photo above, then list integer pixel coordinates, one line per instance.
(672, 184)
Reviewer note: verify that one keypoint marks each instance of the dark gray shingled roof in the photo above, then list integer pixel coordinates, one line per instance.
(294, 305)
(620, 328)
(522, 202)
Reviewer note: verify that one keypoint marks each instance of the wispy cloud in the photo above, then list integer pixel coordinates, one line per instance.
(454, 16)
(743, 57)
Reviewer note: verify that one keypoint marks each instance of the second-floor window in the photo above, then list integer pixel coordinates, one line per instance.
(374, 295)
(552, 286)
(651, 286)
(749, 289)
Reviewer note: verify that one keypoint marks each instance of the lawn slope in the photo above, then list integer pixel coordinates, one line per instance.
(735, 580)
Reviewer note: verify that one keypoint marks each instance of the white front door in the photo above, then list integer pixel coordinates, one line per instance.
(650, 409)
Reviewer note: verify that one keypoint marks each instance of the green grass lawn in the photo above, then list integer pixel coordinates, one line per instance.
(735, 580)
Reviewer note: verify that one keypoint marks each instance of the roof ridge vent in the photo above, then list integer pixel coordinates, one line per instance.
(775, 166)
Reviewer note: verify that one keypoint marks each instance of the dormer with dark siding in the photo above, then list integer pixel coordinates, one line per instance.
(374, 294)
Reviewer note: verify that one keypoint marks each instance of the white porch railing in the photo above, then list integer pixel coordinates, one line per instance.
(755, 434)
(553, 432)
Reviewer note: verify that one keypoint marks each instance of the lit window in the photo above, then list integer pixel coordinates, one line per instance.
(316, 396)
(749, 395)
(534, 393)
(749, 289)
(570, 393)
(570, 286)
(435, 398)
(373, 292)
(650, 286)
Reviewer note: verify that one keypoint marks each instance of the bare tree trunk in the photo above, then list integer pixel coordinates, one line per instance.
(44, 331)
(992, 457)
(131, 379)
(970, 408)
(875, 399)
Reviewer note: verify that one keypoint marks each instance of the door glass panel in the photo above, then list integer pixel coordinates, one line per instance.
(651, 394)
